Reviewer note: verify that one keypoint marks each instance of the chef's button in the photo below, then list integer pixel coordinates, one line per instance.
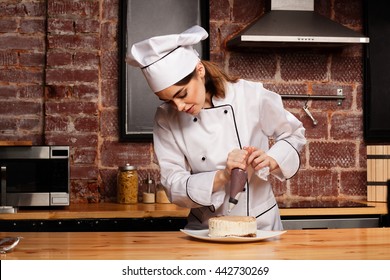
(195, 119)
(225, 111)
(203, 158)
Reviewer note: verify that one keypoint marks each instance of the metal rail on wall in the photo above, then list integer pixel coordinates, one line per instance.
(339, 97)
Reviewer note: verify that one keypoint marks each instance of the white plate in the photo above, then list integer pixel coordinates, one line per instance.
(204, 235)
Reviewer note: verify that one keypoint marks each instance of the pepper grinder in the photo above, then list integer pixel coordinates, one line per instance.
(238, 180)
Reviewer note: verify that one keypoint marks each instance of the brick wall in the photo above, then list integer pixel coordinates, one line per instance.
(58, 86)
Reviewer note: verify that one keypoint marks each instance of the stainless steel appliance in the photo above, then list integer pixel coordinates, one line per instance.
(35, 175)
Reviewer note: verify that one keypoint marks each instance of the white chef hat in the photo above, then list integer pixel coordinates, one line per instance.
(165, 60)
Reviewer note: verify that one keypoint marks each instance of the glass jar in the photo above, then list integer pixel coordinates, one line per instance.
(127, 184)
(148, 196)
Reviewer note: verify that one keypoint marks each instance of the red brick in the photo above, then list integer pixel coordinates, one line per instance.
(86, 124)
(359, 97)
(32, 59)
(58, 92)
(109, 36)
(31, 91)
(60, 8)
(74, 140)
(302, 66)
(21, 76)
(30, 124)
(87, 26)
(110, 93)
(71, 75)
(8, 25)
(59, 58)
(347, 69)
(8, 92)
(110, 9)
(32, 26)
(314, 183)
(71, 108)
(86, 58)
(279, 188)
(332, 155)
(363, 155)
(8, 58)
(14, 41)
(109, 123)
(220, 10)
(79, 41)
(254, 66)
(354, 183)
(57, 123)
(349, 13)
(84, 156)
(109, 184)
(86, 92)
(89, 172)
(7, 124)
(109, 65)
(246, 11)
(60, 26)
(346, 126)
(84, 191)
(114, 154)
(17, 108)
(32, 9)
(319, 131)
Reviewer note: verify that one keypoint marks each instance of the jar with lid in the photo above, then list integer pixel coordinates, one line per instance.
(127, 184)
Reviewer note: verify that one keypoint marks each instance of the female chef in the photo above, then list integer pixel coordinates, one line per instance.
(211, 123)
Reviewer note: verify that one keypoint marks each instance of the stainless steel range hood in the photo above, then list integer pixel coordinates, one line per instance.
(294, 23)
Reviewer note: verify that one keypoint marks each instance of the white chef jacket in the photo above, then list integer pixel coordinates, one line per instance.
(190, 149)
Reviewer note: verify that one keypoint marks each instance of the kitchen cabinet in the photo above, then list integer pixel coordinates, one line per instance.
(377, 73)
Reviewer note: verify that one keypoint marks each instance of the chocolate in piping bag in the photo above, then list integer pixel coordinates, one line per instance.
(237, 184)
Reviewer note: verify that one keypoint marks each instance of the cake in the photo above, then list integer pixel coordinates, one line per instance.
(241, 226)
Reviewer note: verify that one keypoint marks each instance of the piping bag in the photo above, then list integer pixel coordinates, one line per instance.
(238, 180)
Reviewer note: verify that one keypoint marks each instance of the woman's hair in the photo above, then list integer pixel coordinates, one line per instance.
(215, 79)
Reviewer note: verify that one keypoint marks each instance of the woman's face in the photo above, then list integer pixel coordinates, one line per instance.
(189, 98)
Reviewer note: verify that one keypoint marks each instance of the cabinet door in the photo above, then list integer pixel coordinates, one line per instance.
(377, 73)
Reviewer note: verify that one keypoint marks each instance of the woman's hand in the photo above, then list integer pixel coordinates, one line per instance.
(258, 159)
(237, 158)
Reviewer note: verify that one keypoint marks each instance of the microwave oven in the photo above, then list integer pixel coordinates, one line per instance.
(35, 175)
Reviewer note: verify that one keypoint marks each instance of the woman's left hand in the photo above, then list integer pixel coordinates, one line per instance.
(259, 159)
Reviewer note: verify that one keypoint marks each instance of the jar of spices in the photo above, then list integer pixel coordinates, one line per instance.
(127, 184)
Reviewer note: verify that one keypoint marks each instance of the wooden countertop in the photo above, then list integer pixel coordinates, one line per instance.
(324, 244)
(140, 210)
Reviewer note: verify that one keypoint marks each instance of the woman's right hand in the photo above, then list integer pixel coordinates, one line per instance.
(237, 158)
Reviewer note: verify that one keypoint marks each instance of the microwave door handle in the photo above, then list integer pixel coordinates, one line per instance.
(3, 186)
